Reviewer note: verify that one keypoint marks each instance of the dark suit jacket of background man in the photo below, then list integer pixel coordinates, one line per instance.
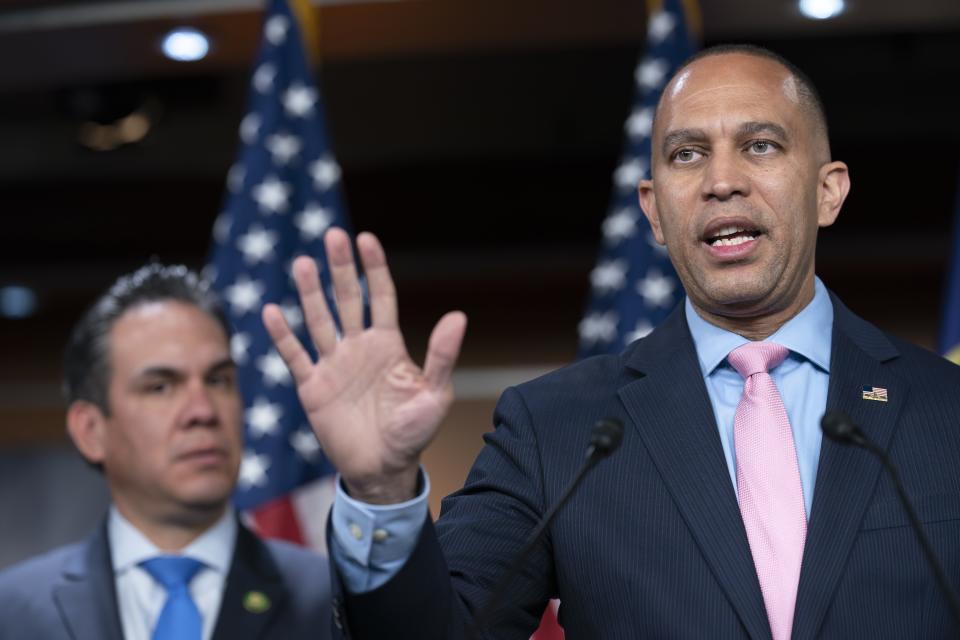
(652, 543)
(69, 593)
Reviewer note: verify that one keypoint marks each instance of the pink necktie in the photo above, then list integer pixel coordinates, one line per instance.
(768, 482)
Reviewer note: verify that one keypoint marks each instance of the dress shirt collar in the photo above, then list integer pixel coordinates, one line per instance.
(808, 334)
(129, 547)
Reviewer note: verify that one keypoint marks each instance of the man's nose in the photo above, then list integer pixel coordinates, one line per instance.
(725, 176)
(199, 407)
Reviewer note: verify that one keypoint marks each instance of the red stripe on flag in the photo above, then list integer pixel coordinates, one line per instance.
(549, 629)
(277, 520)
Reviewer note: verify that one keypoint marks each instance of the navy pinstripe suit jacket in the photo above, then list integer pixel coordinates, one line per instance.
(652, 544)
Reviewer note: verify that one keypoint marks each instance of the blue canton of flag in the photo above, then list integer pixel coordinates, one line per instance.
(634, 286)
(282, 194)
(950, 329)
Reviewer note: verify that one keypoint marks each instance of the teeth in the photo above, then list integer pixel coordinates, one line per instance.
(726, 231)
(730, 242)
(720, 239)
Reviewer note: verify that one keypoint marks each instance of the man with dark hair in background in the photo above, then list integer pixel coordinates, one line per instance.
(724, 514)
(153, 403)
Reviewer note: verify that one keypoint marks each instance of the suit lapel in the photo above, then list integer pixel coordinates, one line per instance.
(86, 595)
(846, 476)
(671, 411)
(255, 594)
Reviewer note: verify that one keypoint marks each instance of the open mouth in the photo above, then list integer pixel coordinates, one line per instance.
(731, 236)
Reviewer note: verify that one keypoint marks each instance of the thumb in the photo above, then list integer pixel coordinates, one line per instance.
(444, 349)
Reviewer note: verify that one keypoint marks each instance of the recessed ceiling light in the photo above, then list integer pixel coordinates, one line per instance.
(821, 9)
(185, 44)
(17, 302)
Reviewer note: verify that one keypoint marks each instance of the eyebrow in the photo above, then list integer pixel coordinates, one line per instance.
(753, 128)
(174, 374)
(220, 365)
(685, 136)
(682, 136)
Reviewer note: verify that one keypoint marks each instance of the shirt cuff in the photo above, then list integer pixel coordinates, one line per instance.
(378, 536)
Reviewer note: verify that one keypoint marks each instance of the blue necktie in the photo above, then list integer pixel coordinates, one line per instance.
(180, 618)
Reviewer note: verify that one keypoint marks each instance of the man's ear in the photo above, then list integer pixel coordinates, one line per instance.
(86, 425)
(648, 203)
(832, 190)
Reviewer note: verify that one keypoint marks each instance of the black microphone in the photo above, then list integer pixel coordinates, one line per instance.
(605, 437)
(840, 428)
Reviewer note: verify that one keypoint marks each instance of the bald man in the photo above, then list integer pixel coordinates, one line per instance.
(724, 514)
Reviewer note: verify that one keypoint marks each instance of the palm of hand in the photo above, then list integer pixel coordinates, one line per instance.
(370, 404)
(372, 408)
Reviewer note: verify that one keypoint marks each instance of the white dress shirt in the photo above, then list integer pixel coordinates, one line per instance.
(140, 598)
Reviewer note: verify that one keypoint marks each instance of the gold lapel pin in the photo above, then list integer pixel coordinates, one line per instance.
(256, 602)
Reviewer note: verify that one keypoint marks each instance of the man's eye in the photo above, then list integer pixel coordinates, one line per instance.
(686, 155)
(761, 147)
(221, 380)
(157, 387)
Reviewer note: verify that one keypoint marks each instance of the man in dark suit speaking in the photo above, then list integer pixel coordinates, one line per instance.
(153, 402)
(724, 514)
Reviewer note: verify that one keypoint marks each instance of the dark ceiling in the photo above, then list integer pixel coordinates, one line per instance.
(477, 137)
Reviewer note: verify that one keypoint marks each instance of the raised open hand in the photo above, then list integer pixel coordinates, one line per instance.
(373, 409)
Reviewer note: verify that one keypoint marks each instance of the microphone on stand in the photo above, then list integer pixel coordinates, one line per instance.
(605, 438)
(840, 428)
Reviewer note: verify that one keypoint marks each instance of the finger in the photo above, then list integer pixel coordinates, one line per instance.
(346, 284)
(383, 294)
(320, 323)
(287, 344)
(443, 349)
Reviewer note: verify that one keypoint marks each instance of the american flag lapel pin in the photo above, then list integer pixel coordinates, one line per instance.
(875, 393)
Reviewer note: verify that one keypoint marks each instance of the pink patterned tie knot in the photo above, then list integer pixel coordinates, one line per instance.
(757, 357)
(768, 482)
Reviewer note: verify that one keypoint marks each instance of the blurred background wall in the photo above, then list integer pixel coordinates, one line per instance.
(477, 138)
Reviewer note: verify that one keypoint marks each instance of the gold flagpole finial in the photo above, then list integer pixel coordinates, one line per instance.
(308, 19)
(691, 14)
(653, 6)
(691, 11)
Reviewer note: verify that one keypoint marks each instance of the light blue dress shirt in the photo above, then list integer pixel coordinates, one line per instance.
(372, 542)
(802, 379)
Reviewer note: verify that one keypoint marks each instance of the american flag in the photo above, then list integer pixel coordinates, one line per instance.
(875, 393)
(282, 194)
(950, 329)
(634, 286)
